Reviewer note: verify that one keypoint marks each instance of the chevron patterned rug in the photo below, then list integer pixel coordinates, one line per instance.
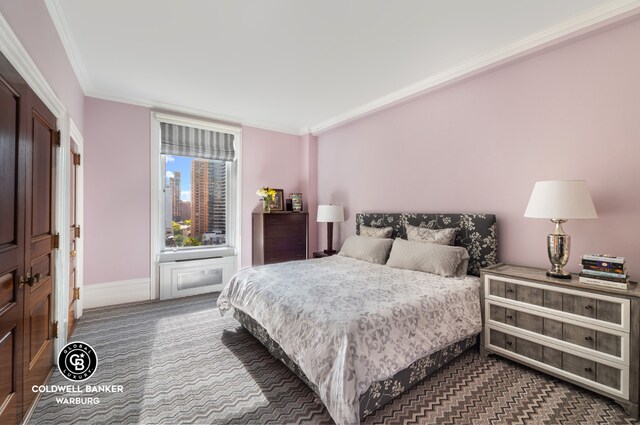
(180, 362)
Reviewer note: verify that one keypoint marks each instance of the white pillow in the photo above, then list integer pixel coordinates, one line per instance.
(365, 248)
(443, 260)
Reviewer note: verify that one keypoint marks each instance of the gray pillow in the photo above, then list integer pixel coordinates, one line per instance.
(376, 232)
(365, 248)
(424, 234)
(443, 260)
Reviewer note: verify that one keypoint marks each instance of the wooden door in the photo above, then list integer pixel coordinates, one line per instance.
(27, 170)
(74, 233)
(38, 352)
(13, 106)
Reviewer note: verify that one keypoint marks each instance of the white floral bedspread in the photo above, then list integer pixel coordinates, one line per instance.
(348, 323)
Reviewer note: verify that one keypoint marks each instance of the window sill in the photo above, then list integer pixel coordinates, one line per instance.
(195, 254)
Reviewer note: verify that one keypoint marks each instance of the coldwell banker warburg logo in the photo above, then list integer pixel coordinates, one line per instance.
(77, 361)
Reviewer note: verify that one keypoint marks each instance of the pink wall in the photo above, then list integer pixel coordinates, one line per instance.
(480, 145)
(117, 186)
(117, 198)
(31, 22)
(270, 159)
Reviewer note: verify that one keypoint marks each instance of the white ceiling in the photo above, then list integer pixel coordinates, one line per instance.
(290, 64)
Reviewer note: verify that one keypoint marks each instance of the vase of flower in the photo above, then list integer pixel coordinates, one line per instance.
(267, 194)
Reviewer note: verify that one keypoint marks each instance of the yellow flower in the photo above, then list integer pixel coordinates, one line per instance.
(266, 193)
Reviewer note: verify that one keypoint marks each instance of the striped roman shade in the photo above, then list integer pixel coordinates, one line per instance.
(188, 141)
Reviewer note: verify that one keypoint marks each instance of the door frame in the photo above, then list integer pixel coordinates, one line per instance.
(77, 138)
(17, 55)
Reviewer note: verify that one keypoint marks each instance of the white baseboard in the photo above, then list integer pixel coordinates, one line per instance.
(120, 292)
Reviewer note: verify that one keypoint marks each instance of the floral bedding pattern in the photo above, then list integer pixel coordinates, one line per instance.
(380, 392)
(476, 232)
(347, 323)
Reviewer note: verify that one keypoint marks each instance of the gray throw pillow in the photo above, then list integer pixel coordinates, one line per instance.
(365, 248)
(443, 260)
(376, 232)
(424, 234)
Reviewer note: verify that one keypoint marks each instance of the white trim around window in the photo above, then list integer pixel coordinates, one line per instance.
(157, 207)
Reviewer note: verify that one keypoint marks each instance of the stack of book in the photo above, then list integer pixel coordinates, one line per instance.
(604, 270)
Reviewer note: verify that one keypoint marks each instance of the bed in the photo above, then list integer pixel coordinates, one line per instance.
(360, 334)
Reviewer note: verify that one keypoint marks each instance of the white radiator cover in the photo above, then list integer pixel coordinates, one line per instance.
(195, 277)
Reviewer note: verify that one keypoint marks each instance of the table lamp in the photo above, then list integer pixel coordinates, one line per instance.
(560, 200)
(330, 214)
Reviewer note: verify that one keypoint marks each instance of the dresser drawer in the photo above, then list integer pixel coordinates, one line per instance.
(285, 218)
(285, 244)
(281, 256)
(598, 341)
(610, 377)
(605, 310)
(285, 231)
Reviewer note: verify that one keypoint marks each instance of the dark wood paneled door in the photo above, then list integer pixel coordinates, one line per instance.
(27, 167)
(13, 106)
(74, 233)
(39, 250)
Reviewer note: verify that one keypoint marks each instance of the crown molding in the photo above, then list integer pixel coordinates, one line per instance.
(608, 13)
(604, 15)
(18, 56)
(73, 53)
(194, 112)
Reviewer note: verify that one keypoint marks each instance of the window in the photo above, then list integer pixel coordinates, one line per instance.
(198, 190)
(195, 199)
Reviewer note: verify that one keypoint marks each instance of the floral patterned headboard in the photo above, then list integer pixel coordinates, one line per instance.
(476, 232)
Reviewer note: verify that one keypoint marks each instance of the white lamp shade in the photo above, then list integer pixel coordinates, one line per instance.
(330, 214)
(561, 199)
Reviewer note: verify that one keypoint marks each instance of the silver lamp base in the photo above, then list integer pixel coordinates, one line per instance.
(558, 244)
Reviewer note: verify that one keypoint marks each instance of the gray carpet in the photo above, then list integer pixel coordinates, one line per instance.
(180, 362)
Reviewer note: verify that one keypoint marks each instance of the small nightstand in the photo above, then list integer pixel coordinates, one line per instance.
(586, 335)
(322, 254)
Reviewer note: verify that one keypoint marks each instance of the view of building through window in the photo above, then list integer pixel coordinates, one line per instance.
(195, 196)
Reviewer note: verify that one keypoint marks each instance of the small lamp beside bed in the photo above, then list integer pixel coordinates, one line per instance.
(559, 200)
(330, 214)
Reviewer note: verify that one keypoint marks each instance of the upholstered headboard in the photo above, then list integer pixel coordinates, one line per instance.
(476, 232)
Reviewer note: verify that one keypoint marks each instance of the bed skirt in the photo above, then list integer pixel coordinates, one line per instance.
(379, 393)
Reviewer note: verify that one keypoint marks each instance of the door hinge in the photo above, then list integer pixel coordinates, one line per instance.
(76, 233)
(76, 293)
(76, 159)
(54, 330)
(55, 241)
(57, 137)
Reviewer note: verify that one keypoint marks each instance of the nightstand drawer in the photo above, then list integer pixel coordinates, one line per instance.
(594, 341)
(608, 377)
(590, 307)
(597, 309)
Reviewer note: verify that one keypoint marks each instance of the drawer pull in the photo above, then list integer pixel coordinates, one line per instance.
(509, 316)
(509, 291)
(587, 369)
(588, 306)
(588, 338)
(509, 342)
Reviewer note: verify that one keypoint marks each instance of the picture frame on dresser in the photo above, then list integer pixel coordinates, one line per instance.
(588, 336)
(277, 203)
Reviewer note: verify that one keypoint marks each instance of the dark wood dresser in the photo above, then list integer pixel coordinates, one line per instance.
(279, 236)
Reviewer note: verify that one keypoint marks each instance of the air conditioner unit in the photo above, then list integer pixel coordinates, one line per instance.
(195, 277)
